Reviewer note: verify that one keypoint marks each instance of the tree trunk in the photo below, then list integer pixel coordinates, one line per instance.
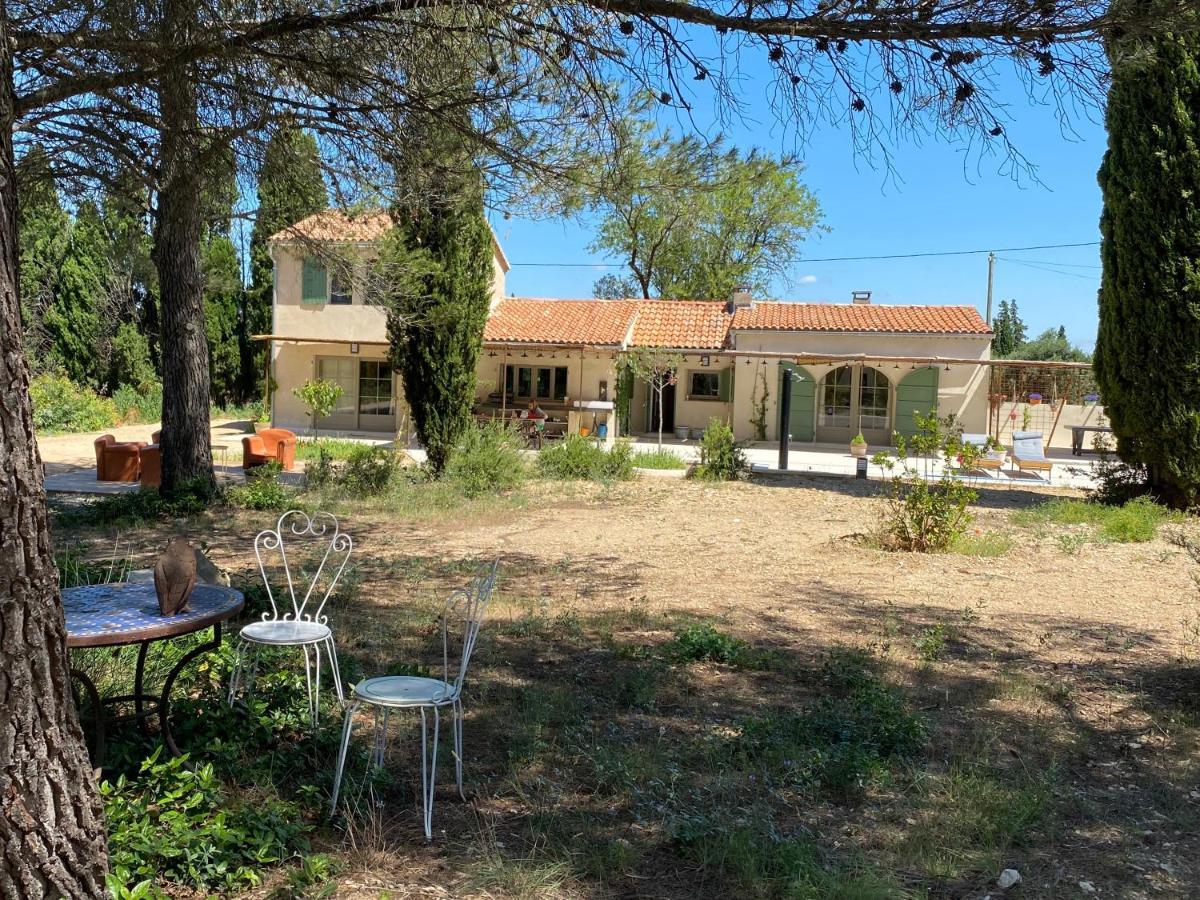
(186, 452)
(51, 821)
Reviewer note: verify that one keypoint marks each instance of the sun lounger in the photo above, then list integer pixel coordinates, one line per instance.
(1028, 452)
(988, 459)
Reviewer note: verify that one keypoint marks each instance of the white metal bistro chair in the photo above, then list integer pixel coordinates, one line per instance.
(301, 620)
(466, 606)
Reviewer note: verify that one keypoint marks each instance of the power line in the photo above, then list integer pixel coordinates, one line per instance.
(806, 260)
(1053, 271)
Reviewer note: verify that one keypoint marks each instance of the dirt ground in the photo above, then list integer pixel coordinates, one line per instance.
(1068, 655)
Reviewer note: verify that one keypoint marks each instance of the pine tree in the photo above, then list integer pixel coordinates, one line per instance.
(435, 323)
(1148, 345)
(290, 187)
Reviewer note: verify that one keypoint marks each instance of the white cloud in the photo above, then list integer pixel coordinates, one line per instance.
(808, 279)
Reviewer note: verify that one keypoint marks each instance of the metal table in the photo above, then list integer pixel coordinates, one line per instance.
(123, 614)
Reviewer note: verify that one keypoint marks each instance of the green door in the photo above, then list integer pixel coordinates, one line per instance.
(916, 393)
(804, 400)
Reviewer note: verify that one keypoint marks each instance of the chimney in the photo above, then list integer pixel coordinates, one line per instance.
(741, 298)
(860, 296)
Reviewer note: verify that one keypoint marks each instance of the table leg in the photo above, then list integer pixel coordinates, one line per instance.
(93, 696)
(139, 694)
(164, 702)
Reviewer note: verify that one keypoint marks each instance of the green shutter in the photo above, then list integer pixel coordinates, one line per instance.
(804, 400)
(315, 282)
(916, 393)
(724, 385)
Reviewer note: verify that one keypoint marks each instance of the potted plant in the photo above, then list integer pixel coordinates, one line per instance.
(1035, 399)
(858, 445)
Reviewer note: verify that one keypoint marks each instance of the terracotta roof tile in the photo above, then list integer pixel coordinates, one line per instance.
(681, 324)
(339, 226)
(860, 317)
(593, 322)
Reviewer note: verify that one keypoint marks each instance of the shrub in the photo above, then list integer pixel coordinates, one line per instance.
(61, 405)
(927, 515)
(1135, 522)
(704, 642)
(577, 457)
(319, 472)
(658, 459)
(142, 404)
(721, 457)
(262, 490)
(136, 507)
(179, 824)
(368, 470)
(487, 459)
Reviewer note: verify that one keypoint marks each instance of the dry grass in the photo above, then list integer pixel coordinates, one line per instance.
(1058, 686)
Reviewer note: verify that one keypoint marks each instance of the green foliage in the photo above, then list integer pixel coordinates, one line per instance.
(487, 459)
(704, 642)
(222, 305)
(1008, 328)
(72, 319)
(841, 744)
(138, 507)
(438, 262)
(369, 470)
(694, 220)
(180, 824)
(927, 515)
(658, 459)
(930, 644)
(290, 188)
(982, 544)
(656, 367)
(59, 404)
(139, 404)
(858, 440)
(1051, 344)
(130, 362)
(578, 457)
(75, 569)
(721, 457)
(758, 404)
(319, 396)
(1148, 344)
(1135, 521)
(262, 490)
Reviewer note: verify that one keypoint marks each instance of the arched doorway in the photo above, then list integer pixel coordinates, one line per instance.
(853, 399)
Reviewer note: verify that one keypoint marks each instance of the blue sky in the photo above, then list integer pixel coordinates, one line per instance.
(937, 199)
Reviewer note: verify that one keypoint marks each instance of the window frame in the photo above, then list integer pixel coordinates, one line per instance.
(559, 378)
(693, 394)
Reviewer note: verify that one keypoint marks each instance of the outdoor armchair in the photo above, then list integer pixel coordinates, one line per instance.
(270, 445)
(117, 461)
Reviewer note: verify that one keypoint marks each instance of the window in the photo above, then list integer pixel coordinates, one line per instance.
(536, 382)
(344, 372)
(375, 389)
(873, 400)
(314, 281)
(704, 386)
(835, 398)
(340, 291)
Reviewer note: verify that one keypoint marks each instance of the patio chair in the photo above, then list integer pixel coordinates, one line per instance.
(1029, 454)
(151, 473)
(116, 460)
(991, 460)
(269, 445)
(301, 621)
(396, 692)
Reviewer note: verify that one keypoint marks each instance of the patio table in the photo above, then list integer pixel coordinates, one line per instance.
(1078, 432)
(125, 613)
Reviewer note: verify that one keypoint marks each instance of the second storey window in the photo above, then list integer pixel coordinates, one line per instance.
(314, 282)
(339, 290)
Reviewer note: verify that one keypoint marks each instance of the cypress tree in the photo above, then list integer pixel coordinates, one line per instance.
(1148, 346)
(1002, 342)
(73, 321)
(436, 319)
(44, 230)
(290, 187)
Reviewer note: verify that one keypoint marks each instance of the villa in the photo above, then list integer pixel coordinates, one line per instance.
(857, 366)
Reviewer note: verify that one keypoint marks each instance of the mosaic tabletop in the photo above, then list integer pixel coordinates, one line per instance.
(105, 615)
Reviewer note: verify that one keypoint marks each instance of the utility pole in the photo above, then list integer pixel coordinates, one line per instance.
(991, 274)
